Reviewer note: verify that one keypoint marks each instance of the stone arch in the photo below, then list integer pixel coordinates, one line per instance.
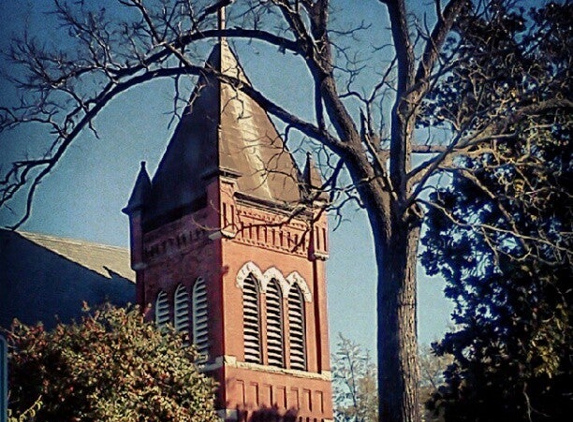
(248, 269)
(275, 273)
(296, 278)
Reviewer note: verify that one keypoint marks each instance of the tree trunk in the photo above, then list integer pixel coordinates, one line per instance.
(397, 345)
(396, 234)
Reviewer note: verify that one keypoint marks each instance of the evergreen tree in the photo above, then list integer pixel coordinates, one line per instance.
(501, 231)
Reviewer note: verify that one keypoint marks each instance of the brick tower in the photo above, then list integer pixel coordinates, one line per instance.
(228, 243)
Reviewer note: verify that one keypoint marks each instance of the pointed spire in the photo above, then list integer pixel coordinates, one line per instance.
(312, 180)
(221, 21)
(140, 192)
(223, 132)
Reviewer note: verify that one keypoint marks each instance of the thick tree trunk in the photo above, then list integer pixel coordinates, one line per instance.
(396, 234)
(396, 251)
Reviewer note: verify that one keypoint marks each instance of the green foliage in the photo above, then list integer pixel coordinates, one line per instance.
(501, 232)
(113, 366)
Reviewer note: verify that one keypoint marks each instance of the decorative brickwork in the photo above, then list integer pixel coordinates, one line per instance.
(240, 255)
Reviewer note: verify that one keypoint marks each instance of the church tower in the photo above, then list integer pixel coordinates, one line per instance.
(229, 243)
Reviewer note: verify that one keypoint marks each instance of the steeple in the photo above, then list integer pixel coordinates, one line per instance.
(222, 131)
(221, 18)
(312, 180)
(218, 253)
(140, 192)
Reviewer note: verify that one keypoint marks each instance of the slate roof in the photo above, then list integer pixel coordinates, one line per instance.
(222, 131)
(103, 259)
(42, 277)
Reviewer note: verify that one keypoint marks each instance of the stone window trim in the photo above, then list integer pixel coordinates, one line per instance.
(273, 273)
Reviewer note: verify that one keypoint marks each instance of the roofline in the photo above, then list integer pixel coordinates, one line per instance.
(69, 240)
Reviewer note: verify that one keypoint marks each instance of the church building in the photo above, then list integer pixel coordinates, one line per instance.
(229, 243)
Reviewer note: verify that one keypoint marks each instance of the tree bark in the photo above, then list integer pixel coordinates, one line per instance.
(396, 233)
(397, 322)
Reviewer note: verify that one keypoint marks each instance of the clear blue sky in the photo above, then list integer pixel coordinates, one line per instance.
(83, 198)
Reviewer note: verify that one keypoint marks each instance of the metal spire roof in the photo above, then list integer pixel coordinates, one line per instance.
(313, 181)
(222, 131)
(140, 192)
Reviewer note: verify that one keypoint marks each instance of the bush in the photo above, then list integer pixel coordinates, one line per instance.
(112, 366)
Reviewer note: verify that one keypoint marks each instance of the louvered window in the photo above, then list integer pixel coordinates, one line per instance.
(274, 325)
(161, 310)
(200, 316)
(251, 321)
(296, 324)
(182, 310)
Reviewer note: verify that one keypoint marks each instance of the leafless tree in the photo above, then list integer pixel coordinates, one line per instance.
(354, 383)
(432, 369)
(370, 131)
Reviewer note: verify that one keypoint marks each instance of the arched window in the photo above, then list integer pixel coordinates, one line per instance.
(251, 320)
(181, 313)
(296, 324)
(161, 309)
(274, 324)
(200, 317)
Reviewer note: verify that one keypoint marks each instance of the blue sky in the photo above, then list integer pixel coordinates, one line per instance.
(83, 198)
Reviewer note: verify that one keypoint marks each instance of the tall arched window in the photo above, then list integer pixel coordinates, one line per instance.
(274, 324)
(200, 317)
(161, 309)
(181, 310)
(251, 320)
(296, 324)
